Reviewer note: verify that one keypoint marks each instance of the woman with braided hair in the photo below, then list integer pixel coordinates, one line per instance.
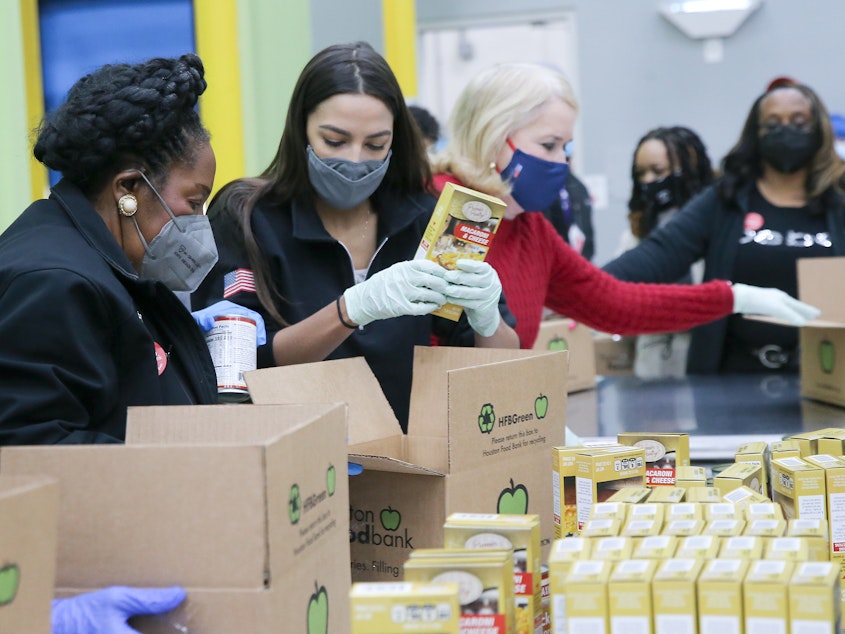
(89, 322)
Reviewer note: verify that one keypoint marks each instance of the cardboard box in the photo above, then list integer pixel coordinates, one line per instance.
(480, 435)
(615, 355)
(674, 595)
(664, 452)
(720, 595)
(462, 225)
(814, 598)
(566, 334)
(396, 608)
(799, 488)
(225, 500)
(766, 596)
(630, 606)
(29, 507)
(600, 474)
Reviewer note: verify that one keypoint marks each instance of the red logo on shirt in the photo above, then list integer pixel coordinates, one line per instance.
(753, 221)
(161, 358)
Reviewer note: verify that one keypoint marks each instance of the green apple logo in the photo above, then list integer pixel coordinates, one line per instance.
(541, 406)
(558, 343)
(331, 479)
(827, 356)
(513, 501)
(294, 504)
(10, 577)
(390, 519)
(318, 611)
(486, 418)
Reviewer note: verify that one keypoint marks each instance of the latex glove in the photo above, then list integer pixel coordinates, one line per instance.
(772, 302)
(354, 468)
(415, 287)
(205, 317)
(106, 611)
(475, 285)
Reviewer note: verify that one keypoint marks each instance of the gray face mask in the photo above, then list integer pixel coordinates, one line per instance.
(183, 252)
(345, 184)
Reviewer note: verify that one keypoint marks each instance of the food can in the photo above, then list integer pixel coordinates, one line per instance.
(232, 344)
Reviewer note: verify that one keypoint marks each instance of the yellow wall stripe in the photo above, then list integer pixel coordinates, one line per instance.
(399, 21)
(216, 29)
(34, 88)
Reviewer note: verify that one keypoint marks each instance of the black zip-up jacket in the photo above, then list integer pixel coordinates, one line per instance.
(706, 228)
(78, 330)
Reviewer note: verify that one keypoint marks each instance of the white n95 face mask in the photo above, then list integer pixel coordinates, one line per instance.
(183, 252)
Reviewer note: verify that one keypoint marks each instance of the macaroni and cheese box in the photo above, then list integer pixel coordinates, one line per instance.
(630, 607)
(739, 474)
(690, 476)
(684, 528)
(462, 225)
(585, 590)
(815, 606)
(518, 533)
(703, 546)
(667, 495)
(766, 596)
(743, 496)
(789, 448)
(631, 495)
(599, 475)
(605, 527)
(683, 511)
(610, 510)
(674, 596)
(787, 548)
(703, 495)
(565, 552)
(833, 442)
(799, 488)
(815, 532)
(384, 607)
(485, 581)
(834, 471)
(766, 527)
(722, 510)
(741, 547)
(720, 595)
(563, 491)
(763, 511)
(724, 527)
(756, 452)
(655, 547)
(664, 452)
(644, 527)
(612, 548)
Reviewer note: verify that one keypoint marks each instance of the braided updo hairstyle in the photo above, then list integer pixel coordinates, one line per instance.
(143, 114)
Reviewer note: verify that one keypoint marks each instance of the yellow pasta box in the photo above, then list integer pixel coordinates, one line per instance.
(563, 491)
(683, 511)
(766, 527)
(816, 533)
(739, 474)
(704, 546)
(766, 596)
(610, 510)
(720, 595)
(741, 547)
(674, 596)
(684, 527)
(704, 495)
(639, 528)
(384, 607)
(612, 548)
(598, 475)
(655, 547)
(787, 548)
(722, 510)
(565, 552)
(724, 527)
(586, 595)
(462, 225)
(789, 448)
(629, 594)
(667, 495)
(631, 495)
(664, 453)
(605, 527)
(799, 488)
(520, 534)
(834, 472)
(833, 442)
(485, 582)
(808, 442)
(763, 511)
(815, 606)
(743, 496)
(756, 452)
(690, 476)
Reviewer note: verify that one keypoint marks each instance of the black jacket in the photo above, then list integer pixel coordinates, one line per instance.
(705, 228)
(311, 269)
(78, 331)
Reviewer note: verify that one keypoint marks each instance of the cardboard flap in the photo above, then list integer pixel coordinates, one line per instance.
(821, 282)
(429, 412)
(348, 381)
(394, 465)
(218, 424)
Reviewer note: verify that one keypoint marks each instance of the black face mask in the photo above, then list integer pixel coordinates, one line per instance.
(660, 195)
(788, 148)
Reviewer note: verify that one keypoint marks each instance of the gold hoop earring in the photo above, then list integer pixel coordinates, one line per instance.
(128, 205)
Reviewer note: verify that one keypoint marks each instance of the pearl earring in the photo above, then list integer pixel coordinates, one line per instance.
(127, 204)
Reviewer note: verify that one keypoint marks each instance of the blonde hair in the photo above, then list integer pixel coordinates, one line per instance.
(494, 105)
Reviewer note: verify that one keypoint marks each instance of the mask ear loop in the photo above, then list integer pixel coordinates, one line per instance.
(146, 244)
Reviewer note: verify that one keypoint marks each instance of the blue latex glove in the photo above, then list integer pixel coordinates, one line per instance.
(106, 611)
(205, 317)
(354, 468)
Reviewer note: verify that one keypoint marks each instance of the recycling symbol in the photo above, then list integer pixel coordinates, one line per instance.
(486, 418)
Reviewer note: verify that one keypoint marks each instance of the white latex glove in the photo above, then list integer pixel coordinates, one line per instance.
(772, 302)
(475, 285)
(416, 287)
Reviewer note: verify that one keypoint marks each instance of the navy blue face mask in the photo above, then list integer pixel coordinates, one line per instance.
(535, 182)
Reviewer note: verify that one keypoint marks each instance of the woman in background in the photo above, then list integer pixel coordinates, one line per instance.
(779, 198)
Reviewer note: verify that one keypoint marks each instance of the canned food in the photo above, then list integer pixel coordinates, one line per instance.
(232, 344)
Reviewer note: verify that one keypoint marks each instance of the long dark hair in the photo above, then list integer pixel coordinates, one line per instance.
(687, 158)
(743, 164)
(339, 69)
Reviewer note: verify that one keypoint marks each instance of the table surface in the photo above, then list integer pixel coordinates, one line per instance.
(719, 412)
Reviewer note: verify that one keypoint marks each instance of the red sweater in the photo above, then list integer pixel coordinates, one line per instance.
(538, 269)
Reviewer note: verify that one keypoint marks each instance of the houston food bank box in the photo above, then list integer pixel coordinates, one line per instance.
(244, 505)
(566, 334)
(481, 428)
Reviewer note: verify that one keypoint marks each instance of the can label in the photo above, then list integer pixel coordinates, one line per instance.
(232, 344)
